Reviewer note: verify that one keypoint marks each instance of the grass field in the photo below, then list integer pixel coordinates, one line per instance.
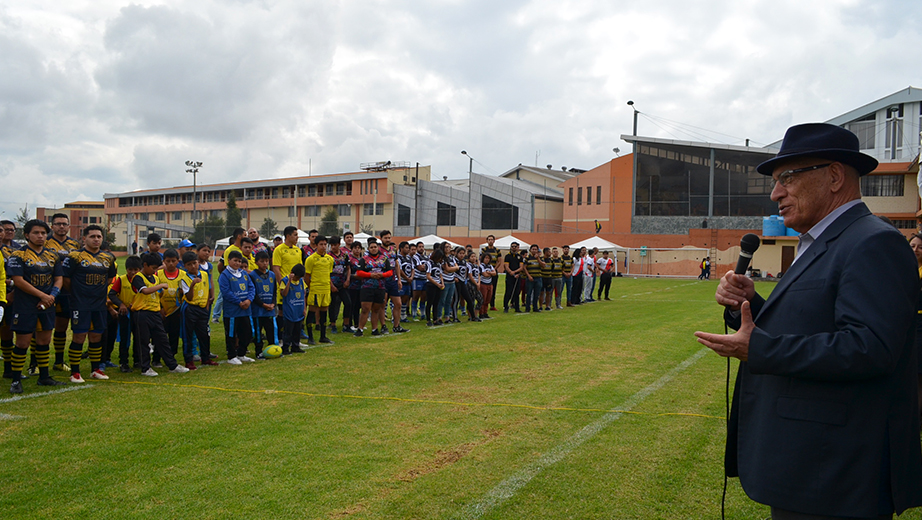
(513, 418)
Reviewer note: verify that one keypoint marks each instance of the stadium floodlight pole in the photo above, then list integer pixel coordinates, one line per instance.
(631, 104)
(193, 169)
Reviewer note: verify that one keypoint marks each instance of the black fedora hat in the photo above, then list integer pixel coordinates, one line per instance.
(820, 140)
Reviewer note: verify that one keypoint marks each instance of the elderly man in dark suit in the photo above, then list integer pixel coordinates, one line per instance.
(824, 420)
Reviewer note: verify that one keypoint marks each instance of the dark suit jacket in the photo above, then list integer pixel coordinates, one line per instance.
(825, 418)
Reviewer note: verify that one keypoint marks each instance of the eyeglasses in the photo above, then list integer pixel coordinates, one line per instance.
(785, 177)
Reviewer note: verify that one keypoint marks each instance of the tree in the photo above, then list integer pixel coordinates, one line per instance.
(368, 229)
(208, 231)
(329, 224)
(21, 220)
(233, 218)
(269, 228)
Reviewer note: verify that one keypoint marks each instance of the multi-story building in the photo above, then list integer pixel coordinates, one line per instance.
(81, 214)
(362, 200)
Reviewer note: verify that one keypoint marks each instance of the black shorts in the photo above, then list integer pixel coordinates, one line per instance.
(548, 284)
(369, 294)
(28, 321)
(87, 320)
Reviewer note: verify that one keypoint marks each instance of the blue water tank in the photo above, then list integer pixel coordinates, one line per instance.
(773, 226)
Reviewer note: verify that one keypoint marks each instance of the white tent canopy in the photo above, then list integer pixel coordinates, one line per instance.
(225, 242)
(361, 237)
(431, 240)
(504, 243)
(601, 243)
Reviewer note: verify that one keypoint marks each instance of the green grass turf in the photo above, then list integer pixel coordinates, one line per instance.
(304, 437)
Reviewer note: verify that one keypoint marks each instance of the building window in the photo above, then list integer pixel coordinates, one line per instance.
(864, 129)
(312, 190)
(177, 215)
(329, 190)
(588, 195)
(85, 220)
(579, 197)
(343, 210)
(292, 212)
(882, 185)
(446, 215)
(894, 133)
(348, 188)
(145, 216)
(286, 192)
(905, 224)
(340, 188)
(598, 195)
(216, 213)
(368, 209)
(497, 214)
(403, 215)
(569, 201)
(301, 191)
(312, 211)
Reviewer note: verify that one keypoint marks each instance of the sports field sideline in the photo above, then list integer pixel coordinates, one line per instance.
(608, 410)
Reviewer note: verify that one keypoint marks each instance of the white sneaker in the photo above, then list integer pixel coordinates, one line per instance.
(246, 359)
(234, 361)
(76, 378)
(99, 374)
(179, 369)
(303, 345)
(150, 373)
(196, 358)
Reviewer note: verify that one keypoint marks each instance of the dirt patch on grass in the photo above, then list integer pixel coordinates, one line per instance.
(349, 511)
(447, 457)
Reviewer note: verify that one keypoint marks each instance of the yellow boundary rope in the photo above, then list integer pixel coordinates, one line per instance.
(421, 401)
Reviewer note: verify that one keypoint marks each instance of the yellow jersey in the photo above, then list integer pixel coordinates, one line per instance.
(319, 268)
(199, 292)
(170, 299)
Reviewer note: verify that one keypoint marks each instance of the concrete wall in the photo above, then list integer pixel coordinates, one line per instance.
(683, 225)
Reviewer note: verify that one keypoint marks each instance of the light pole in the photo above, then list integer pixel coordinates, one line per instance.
(470, 172)
(631, 104)
(193, 169)
(470, 168)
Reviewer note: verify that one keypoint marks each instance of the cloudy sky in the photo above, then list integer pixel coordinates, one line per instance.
(101, 96)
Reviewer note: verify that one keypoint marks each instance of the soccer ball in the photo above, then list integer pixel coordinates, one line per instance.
(272, 352)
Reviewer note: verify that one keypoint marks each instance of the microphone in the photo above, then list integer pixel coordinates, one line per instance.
(748, 246)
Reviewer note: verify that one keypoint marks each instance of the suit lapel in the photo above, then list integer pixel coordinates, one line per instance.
(815, 251)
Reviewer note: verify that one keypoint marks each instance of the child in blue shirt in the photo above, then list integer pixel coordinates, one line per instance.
(238, 292)
(263, 308)
(293, 294)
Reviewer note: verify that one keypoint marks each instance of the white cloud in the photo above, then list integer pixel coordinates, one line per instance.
(110, 96)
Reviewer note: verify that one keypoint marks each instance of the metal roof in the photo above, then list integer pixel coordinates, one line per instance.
(696, 144)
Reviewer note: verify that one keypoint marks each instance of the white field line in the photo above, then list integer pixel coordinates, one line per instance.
(510, 486)
(43, 394)
(8, 417)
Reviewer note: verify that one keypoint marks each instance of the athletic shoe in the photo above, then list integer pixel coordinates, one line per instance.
(150, 373)
(477, 320)
(404, 320)
(349, 329)
(303, 345)
(400, 330)
(333, 329)
(326, 341)
(179, 369)
(547, 308)
(570, 304)
(492, 308)
(437, 323)
(234, 361)
(191, 366)
(16, 387)
(60, 367)
(517, 311)
(296, 350)
(108, 364)
(210, 363)
(358, 333)
(559, 307)
(246, 359)
(50, 381)
(125, 368)
(375, 332)
(215, 320)
(455, 320)
(213, 356)
(311, 343)
(383, 329)
(608, 299)
(156, 364)
(505, 311)
(98, 374)
(196, 358)
(428, 323)
(463, 312)
(76, 378)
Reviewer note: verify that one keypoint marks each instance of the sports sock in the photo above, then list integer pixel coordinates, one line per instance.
(42, 354)
(96, 354)
(19, 361)
(74, 353)
(310, 332)
(60, 341)
(323, 324)
(6, 346)
(32, 361)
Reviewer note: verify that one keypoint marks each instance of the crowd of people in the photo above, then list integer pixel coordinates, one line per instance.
(280, 294)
